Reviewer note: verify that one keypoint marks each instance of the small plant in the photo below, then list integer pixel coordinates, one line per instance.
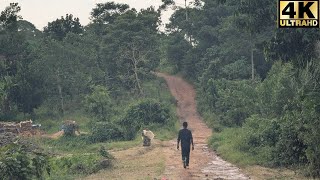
(104, 153)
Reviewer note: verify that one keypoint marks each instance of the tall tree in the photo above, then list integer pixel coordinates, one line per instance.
(130, 49)
(59, 28)
(18, 82)
(251, 13)
(106, 13)
(9, 17)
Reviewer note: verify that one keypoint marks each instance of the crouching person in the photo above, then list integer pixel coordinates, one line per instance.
(147, 136)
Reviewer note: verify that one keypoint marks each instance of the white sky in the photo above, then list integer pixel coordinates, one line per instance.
(40, 12)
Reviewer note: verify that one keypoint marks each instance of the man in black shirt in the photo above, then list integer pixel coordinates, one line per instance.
(185, 136)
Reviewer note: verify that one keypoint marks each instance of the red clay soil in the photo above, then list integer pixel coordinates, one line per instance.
(204, 163)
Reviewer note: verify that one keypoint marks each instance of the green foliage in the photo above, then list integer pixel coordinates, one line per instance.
(277, 93)
(228, 145)
(268, 109)
(177, 49)
(143, 113)
(279, 128)
(103, 152)
(66, 144)
(105, 131)
(107, 12)
(59, 28)
(9, 17)
(259, 137)
(283, 47)
(18, 89)
(16, 162)
(99, 103)
(130, 49)
(83, 164)
(237, 70)
(233, 101)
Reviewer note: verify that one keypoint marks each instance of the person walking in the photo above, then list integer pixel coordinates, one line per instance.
(185, 136)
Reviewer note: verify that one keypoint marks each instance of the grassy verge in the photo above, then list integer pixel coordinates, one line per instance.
(227, 145)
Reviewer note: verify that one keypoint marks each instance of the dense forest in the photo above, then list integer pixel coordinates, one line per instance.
(257, 85)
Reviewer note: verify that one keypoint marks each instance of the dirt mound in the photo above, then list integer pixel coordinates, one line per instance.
(57, 135)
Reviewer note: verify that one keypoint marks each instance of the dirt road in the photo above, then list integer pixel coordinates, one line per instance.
(204, 163)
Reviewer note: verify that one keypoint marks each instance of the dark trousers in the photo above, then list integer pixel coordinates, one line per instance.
(185, 155)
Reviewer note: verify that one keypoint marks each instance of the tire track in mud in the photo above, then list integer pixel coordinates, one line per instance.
(204, 163)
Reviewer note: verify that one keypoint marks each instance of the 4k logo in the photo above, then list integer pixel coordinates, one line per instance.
(298, 13)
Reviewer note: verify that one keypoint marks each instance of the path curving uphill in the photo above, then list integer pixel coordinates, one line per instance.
(204, 163)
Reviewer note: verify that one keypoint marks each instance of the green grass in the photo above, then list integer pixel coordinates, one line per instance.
(53, 125)
(72, 166)
(168, 132)
(227, 145)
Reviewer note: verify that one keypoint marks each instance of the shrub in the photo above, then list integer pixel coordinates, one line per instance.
(143, 113)
(16, 162)
(240, 69)
(98, 103)
(290, 149)
(105, 131)
(75, 164)
(232, 101)
(259, 137)
(278, 92)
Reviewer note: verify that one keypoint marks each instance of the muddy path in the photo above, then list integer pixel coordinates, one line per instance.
(204, 163)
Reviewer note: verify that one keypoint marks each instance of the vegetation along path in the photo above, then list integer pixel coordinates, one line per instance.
(204, 163)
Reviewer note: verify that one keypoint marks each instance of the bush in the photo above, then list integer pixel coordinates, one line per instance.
(105, 131)
(143, 113)
(75, 164)
(278, 92)
(290, 149)
(98, 103)
(16, 163)
(259, 137)
(231, 101)
(240, 69)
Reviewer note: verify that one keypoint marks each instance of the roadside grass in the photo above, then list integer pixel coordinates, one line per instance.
(227, 145)
(53, 125)
(167, 133)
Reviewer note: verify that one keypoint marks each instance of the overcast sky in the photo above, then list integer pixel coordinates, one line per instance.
(40, 12)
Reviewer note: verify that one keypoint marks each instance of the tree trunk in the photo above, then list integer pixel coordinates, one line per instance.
(6, 106)
(185, 4)
(135, 69)
(252, 63)
(60, 93)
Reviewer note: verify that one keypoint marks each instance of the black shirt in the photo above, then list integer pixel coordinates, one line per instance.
(185, 136)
